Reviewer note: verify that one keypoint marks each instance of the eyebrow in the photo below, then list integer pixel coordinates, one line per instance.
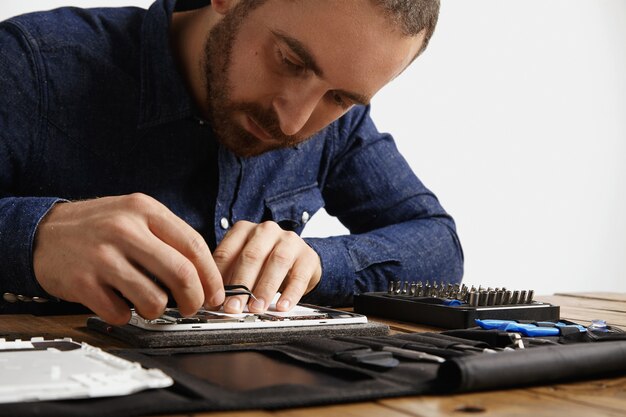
(307, 59)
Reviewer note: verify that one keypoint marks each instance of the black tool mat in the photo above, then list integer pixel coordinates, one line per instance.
(318, 370)
(432, 310)
(138, 337)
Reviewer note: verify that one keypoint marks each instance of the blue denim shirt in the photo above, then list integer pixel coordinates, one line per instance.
(92, 104)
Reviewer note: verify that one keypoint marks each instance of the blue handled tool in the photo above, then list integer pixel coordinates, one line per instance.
(540, 329)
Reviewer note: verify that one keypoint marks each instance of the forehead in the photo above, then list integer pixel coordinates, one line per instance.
(351, 40)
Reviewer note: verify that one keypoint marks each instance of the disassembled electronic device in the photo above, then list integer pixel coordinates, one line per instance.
(38, 369)
(452, 306)
(300, 315)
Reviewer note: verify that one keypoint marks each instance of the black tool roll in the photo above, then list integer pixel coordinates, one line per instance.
(318, 370)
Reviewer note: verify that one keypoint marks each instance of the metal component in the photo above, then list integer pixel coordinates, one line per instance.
(231, 290)
(518, 342)
(515, 297)
(473, 298)
(419, 290)
(506, 298)
(499, 295)
(491, 297)
(482, 298)
(405, 287)
(390, 288)
(531, 294)
(522, 297)
(413, 354)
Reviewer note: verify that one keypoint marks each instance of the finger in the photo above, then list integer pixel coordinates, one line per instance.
(226, 253)
(225, 256)
(303, 275)
(235, 304)
(176, 233)
(254, 257)
(109, 306)
(147, 297)
(277, 266)
(174, 270)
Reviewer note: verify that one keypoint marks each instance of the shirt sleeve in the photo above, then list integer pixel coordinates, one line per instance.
(399, 231)
(22, 100)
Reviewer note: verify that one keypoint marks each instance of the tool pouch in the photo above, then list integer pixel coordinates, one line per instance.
(321, 370)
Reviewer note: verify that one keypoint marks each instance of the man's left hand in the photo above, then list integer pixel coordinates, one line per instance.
(266, 259)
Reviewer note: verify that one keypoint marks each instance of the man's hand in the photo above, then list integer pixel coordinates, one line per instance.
(266, 259)
(96, 251)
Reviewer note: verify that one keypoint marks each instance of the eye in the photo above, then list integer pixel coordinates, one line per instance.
(338, 100)
(292, 66)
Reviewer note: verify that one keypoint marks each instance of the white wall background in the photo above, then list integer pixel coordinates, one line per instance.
(516, 117)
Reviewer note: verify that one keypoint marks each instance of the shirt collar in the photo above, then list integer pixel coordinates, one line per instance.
(164, 95)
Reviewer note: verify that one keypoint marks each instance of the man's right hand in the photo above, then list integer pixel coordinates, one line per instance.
(96, 251)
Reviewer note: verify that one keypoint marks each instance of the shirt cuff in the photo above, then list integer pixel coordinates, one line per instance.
(336, 286)
(19, 218)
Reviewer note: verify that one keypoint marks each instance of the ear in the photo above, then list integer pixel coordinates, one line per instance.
(223, 6)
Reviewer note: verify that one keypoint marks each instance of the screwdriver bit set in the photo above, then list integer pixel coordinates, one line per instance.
(452, 306)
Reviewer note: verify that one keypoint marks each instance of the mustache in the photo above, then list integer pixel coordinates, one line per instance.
(267, 119)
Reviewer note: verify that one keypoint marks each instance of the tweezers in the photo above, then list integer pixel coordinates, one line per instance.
(231, 290)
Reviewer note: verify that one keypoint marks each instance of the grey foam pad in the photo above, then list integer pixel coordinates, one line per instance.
(138, 337)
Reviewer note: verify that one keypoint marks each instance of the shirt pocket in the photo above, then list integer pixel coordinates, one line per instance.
(293, 209)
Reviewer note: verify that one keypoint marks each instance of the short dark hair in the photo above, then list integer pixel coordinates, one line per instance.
(412, 16)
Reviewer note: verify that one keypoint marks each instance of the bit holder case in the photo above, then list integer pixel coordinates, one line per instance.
(452, 306)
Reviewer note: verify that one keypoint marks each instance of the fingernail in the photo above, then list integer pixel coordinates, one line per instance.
(258, 304)
(283, 305)
(233, 304)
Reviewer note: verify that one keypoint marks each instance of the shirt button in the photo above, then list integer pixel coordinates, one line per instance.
(224, 223)
(24, 298)
(305, 217)
(9, 297)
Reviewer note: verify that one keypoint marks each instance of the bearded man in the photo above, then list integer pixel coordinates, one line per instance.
(169, 152)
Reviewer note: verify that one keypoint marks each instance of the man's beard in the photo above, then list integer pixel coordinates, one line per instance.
(221, 109)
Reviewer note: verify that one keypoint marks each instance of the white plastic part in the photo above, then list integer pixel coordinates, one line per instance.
(63, 369)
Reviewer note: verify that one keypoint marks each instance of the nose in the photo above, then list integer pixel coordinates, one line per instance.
(295, 105)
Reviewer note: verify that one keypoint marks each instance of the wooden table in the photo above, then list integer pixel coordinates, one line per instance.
(605, 397)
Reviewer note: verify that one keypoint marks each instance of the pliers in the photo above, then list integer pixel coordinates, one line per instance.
(538, 329)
